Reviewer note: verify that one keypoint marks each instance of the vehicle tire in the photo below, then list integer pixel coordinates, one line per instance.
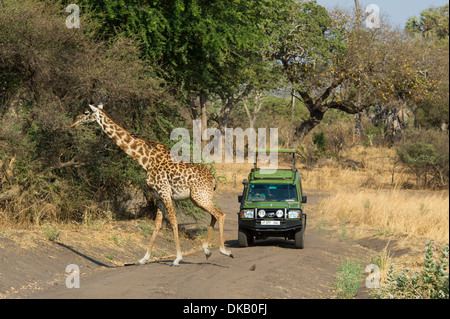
(250, 239)
(242, 238)
(299, 239)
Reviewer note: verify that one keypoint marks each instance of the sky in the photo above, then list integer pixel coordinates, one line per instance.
(397, 11)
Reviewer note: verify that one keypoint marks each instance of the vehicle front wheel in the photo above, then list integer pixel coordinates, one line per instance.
(299, 239)
(242, 238)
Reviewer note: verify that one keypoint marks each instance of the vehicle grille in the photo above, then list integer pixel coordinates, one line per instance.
(270, 212)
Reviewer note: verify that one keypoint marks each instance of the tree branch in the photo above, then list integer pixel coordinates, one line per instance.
(346, 106)
(305, 98)
(66, 164)
(329, 90)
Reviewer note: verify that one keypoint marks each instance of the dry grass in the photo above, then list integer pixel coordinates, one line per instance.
(379, 171)
(404, 213)
(373, 205)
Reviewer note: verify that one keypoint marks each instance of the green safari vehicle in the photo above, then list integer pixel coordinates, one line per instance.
(272, 205)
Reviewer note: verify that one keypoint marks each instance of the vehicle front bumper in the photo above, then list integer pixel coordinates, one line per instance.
(285, 226)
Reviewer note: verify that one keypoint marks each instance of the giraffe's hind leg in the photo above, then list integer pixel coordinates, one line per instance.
(205, 245)
(216, 215)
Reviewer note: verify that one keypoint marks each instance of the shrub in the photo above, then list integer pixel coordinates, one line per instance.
(48, 75)
(426, 153)
(348, 279)
(429, 283)
(319, 141)
(339, 138)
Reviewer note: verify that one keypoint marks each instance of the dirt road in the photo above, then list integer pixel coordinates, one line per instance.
(270, 269)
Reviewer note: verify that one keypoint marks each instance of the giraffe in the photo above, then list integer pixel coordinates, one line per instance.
(170, 179)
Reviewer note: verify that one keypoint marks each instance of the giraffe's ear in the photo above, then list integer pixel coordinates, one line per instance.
(100, 106)
(93, 108)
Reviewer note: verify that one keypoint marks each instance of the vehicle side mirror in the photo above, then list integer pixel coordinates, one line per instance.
(304, 199)
(245, 182)
(239, 198)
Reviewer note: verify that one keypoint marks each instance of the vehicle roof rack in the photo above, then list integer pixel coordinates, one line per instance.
(282, 151)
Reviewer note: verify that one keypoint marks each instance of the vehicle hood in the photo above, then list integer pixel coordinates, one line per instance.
(264, 205)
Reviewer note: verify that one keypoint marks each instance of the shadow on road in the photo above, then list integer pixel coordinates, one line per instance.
(271, 241)
(98, 263)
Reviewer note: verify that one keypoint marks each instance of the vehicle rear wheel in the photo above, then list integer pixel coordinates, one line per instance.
(242, 238)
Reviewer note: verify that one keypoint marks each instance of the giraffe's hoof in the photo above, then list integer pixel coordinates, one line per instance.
(225, 252)
(208, 254)
(174, 265)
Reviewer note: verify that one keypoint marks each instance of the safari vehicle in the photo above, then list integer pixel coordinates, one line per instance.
(272, 205)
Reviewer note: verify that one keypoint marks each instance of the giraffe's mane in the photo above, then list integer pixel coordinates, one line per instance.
(147, 142)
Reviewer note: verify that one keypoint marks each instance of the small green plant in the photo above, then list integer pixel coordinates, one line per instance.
(429, 283)
(343, 232)
(115, 238)
(322, 226)
(110, 256)
(202, 231)
(51, 232)
(146, 229)
(348, 279)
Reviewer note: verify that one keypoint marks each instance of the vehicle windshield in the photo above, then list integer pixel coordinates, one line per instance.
(272, 192)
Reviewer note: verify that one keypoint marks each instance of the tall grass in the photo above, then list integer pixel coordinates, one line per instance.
(422, 214)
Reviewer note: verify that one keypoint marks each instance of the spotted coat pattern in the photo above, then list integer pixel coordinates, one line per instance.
(169, 178)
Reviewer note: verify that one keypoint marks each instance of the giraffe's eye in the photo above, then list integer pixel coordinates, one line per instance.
(86, 113)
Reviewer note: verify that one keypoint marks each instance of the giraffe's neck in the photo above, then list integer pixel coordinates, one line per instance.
(135, 147)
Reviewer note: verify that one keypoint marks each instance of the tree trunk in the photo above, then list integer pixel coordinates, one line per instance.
(307, 126)
(358, 128)
(292, 102)
(224, 114)
(203, 114)
(203, 111)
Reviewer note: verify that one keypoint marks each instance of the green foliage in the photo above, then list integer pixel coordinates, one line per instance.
(432, 22)
(319, 141)
(140, 58)
(426, 153)
(200, 46)
(429, 283)
(348, 279)
(51, 232)
(419, 156)
(49, 74)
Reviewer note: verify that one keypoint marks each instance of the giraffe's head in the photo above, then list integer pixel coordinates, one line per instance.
(88, 116)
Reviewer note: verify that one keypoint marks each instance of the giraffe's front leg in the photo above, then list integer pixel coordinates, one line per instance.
(174, 224)
(158, 222)
(166, 198)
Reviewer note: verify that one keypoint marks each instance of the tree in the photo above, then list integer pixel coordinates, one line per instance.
(48, 75)
(432, 22)
(335, 63)
(203, 48)
(430, 33)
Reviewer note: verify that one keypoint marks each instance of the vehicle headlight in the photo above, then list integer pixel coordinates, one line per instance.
(247, 213)
(261, 213)
(280, 213)
(294, 213)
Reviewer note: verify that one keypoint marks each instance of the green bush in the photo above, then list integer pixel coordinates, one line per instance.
(48, 75)
(320, 141)
(429, 283)
(348, 279)
(426, 154)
